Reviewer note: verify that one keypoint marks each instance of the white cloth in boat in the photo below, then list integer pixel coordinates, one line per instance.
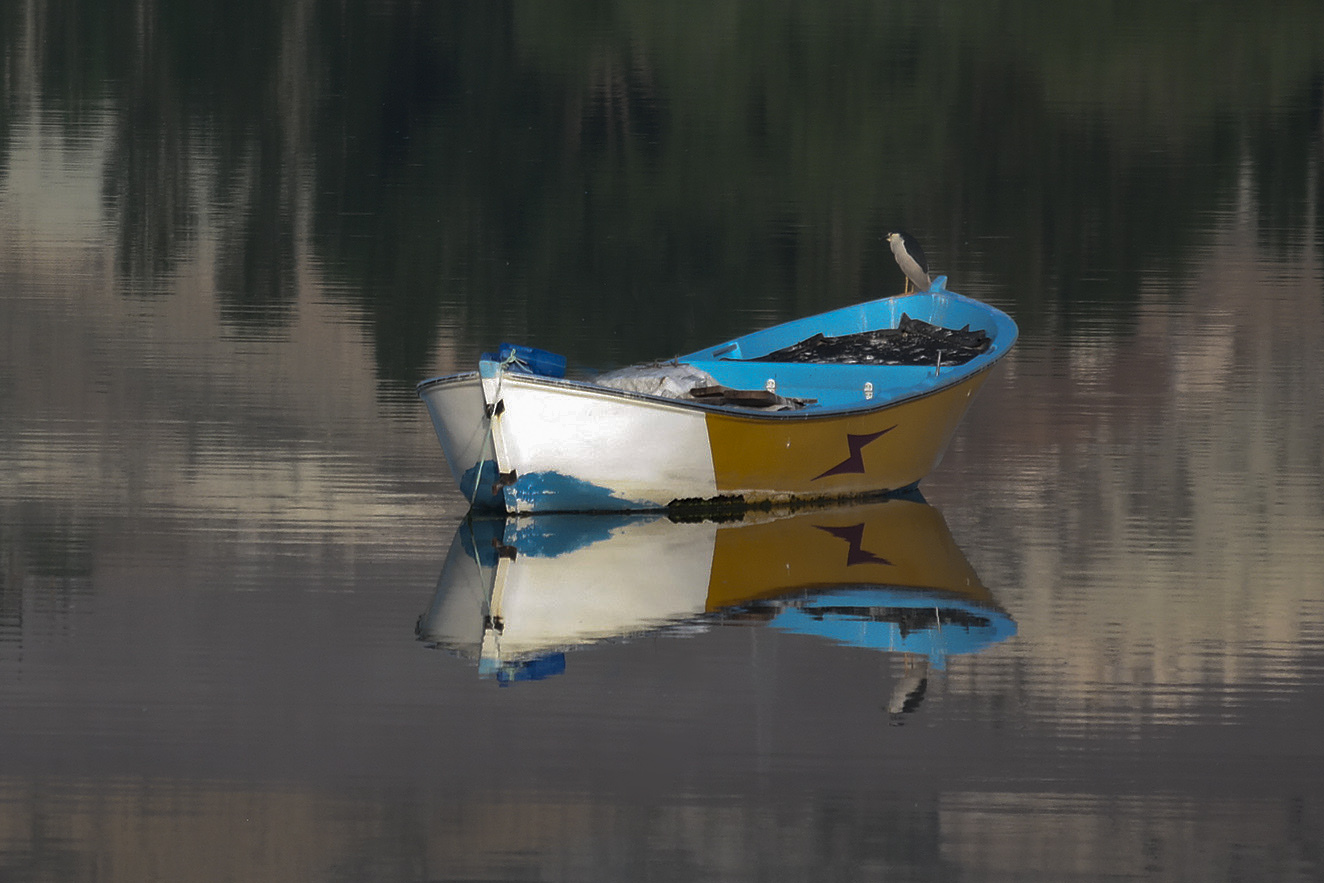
(677, 380)
(672, 380)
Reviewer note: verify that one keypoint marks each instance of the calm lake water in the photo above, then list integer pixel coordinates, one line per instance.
(241, 631)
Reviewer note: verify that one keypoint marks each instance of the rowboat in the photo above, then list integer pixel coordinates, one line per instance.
(517, 594)
(861, 400)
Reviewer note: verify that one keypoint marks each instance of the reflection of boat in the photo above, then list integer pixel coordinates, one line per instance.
(515, 593)
(859, 400)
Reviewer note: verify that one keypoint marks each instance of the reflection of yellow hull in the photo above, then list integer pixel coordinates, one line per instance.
(894, 543)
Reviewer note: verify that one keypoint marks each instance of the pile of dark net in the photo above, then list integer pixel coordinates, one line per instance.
(912, 342)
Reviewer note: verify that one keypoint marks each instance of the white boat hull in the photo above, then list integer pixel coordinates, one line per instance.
(554, 446)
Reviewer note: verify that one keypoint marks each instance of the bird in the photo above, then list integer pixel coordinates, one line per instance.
(910, 257)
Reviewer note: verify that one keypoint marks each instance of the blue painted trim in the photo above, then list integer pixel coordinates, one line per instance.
(552, 491)
(512, 671)
(550, 536)
(850, 617)
(476, 486)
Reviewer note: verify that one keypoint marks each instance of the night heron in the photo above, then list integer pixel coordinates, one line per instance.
(910, 257)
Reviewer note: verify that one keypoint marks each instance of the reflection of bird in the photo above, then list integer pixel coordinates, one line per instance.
(909, 690)
(910, 257)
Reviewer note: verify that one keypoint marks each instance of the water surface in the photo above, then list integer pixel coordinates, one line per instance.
(230, 242)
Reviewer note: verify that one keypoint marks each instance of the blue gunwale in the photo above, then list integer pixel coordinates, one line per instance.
(838, 386)
(836, 389)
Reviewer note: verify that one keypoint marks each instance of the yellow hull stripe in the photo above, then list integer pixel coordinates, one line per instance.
(882, 450)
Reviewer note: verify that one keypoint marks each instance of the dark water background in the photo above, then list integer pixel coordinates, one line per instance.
(233, 236)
